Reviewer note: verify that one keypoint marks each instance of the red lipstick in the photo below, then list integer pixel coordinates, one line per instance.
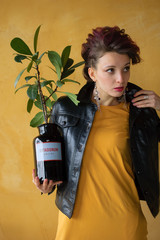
(119, 89)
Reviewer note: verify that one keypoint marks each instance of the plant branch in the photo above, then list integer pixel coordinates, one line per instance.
(43, 102)
(55, 90)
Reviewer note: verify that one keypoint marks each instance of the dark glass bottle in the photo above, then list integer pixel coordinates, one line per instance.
(49, 153)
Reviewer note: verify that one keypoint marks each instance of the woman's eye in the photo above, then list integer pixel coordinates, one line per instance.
(126, 69)
(110, 70)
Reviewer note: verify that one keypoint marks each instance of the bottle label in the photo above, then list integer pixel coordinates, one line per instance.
(48, 151)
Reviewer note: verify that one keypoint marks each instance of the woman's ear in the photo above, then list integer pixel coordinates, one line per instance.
(91, 73)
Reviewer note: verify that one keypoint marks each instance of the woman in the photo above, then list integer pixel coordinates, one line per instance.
(115, 130)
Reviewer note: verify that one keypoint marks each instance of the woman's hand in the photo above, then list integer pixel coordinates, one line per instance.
(47, 186)
(146, 98)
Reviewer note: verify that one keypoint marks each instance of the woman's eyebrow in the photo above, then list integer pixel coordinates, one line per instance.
(127, 64)
(109, 66)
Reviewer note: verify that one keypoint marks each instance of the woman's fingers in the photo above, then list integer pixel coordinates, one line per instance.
(33, 174)
(35, 179)
(46, 186)
(58, 182)
(144, 92)
(142, 95)
(146, 98)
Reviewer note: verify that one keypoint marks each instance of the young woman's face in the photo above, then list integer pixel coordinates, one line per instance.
(111, 74)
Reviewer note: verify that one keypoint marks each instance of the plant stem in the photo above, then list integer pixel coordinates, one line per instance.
(55, 90)
(43, 102)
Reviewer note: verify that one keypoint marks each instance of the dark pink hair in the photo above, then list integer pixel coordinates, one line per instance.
(107, 39)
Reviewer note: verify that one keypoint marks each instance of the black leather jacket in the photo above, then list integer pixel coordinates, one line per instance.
(76, 122)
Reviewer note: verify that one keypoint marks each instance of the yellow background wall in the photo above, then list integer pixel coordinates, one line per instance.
(24, 213)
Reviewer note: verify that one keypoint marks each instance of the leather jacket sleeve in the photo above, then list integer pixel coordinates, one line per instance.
(159, 131)
(158, 126)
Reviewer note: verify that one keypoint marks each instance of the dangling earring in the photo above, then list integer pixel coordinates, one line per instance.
(96, 96)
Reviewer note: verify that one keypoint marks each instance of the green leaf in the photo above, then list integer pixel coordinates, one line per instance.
(29, 66)
(43, 84)
(67, 73)
(65, 55)
(59, 83)
(72, 96)
(20, 46)
(52, 69)
(55, 59)
(49, 104)
(38, 104)
(38, 98)
(27, 78)
(54, 95)
(55, 56)
(32, 91)
(36, 38)
(29, 105)
(18, 77)
(53, 103)
(37, 120)
(69, 80)
(19, 58)
(77, 65)
(69, 63)
(26, 85)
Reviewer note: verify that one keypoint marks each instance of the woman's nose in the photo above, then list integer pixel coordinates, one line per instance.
(120, 78)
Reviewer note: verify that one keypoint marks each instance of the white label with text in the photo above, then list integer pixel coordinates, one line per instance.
(48, 151)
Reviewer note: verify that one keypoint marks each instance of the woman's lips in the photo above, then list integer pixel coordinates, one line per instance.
(119, 89)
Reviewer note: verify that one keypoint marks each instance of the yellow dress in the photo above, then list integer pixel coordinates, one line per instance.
(107, 205)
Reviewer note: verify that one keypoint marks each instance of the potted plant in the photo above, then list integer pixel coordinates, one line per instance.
(42, 93)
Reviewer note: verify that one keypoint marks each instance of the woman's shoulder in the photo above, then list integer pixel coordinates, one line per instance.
(64, 104)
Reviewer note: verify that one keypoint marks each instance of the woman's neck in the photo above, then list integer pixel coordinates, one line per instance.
(109, 102)
(106, 101)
